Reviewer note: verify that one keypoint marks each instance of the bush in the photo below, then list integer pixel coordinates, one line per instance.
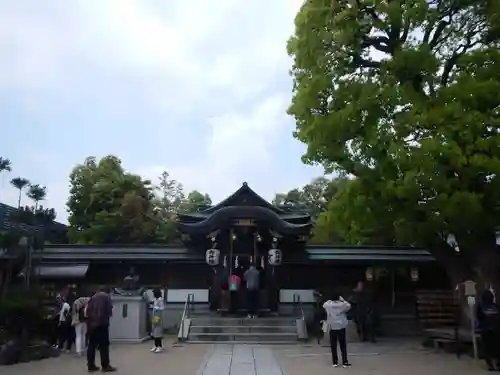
(22, 314)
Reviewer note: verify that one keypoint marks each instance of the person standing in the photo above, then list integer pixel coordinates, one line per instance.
(55, 317)
(79, 321)
(65, 329)
(488, 316)
(234, 288)
(252, 278)
(336, 323)
(99, 311)
(157, 321)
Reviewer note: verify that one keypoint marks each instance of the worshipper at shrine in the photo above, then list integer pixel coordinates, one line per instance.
(488, 316)
(157, 321)
(234, 288)
(252, 279)
(336, 323)
(99, 311)
(364, 314)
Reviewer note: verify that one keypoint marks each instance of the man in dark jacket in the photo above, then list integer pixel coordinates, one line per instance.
(99, 311)
(488, 316)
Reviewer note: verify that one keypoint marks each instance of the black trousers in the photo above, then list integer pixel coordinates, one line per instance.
(491, 346)
(158, 342)
(66, 335)
(253, 301)
(338, 336)
(98, 339)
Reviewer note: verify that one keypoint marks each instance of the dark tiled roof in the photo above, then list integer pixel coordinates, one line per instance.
(6, 224)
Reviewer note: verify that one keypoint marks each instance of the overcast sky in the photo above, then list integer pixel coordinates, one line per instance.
(199, 88)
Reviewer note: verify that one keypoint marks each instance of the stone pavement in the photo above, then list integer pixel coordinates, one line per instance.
(375, 359)
(131, 359)
(240, 360)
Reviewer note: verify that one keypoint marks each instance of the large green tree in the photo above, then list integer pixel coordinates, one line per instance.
(404, 95)
(110, 205)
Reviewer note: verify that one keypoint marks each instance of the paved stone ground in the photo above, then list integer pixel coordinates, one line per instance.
(129, 359)
(375, 359)
(388, 358)
(240, 360)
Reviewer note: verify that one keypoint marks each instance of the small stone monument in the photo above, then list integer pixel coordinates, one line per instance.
(129, 321)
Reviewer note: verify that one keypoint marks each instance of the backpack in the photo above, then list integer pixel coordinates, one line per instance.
(82, 313)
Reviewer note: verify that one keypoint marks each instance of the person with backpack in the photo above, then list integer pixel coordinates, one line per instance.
(79, 322)
(336, 323)
(65, 328)
(488, 317)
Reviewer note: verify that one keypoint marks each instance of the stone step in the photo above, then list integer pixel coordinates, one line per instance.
(242, 329)
(244, 337)
(211, 321)
(233, 342)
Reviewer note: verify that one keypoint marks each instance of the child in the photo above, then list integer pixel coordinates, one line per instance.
(336, 322)
(157, 321)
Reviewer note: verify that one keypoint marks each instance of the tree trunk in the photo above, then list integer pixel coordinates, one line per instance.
(19, 200)
(455, 265)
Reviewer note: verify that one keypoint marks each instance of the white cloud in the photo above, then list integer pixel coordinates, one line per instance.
(216, 59)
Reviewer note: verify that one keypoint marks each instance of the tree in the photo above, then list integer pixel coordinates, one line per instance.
(109, 205)
(195, 202)
(19, 183)
(416, 122)
(170, 196)
(5, 165)
(37, 193)
(312, 197)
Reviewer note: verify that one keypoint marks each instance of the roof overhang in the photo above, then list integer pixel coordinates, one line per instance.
(60, 271)
(369, 253)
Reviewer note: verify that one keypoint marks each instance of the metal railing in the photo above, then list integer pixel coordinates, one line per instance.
(186, 314)
(298, 305)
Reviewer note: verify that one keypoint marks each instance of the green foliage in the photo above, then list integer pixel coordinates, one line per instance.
(312, 197)
(22, 313)
(37, 193)
(170, 201)
(19, 183)
(109, 205)
(5, 165)
(404, 96)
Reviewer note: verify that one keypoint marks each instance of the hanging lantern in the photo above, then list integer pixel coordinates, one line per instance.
(236, 262)
(274, 256)
(262, 262)
(414, 275)
(225, 261)
(369, 274)
(212, 257)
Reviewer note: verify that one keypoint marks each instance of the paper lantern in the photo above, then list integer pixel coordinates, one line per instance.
(414, 274)
(212, 257)
(274, 257)
(369, 274)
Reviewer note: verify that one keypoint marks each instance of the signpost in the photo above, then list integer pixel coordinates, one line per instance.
(470, 293)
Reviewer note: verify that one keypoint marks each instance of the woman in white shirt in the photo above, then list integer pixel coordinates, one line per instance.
(336, 323)
(157, 321)
(65, 328)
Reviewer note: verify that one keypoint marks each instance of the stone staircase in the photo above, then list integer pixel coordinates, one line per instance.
(266, 330)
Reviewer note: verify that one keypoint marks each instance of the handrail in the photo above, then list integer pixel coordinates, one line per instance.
(296, 302)
(186, 313)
